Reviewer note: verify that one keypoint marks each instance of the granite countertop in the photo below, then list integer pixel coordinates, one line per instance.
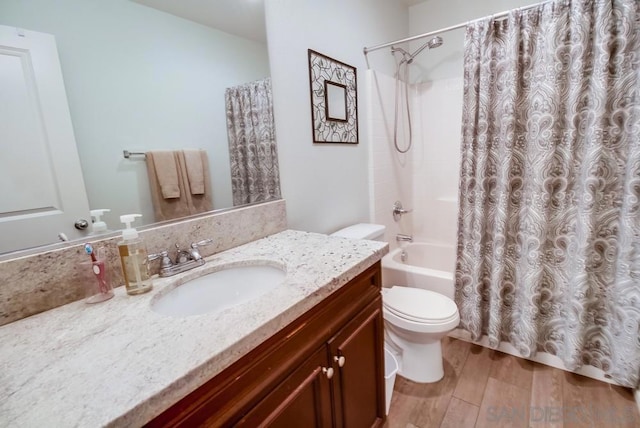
(118, 363)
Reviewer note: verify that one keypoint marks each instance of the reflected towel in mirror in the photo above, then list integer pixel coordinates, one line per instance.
(194, 160)
(166, 172)
(198, 203)
(187, 203)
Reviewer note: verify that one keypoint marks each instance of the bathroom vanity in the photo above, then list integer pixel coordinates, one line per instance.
(327, 366)
(309, 350)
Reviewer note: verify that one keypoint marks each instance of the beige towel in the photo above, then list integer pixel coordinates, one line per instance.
(165, 209)
(187, 203)
(198, 203)
(193, 159)
(166, 172)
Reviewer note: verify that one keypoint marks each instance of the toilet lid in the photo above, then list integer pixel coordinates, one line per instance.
(419, 305)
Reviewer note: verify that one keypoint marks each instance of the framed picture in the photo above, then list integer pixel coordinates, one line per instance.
(334, 100)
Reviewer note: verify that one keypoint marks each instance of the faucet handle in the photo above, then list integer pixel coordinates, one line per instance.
(195, 254)
(155, 256)
(398, 210)
(166, 261)
(207, 241)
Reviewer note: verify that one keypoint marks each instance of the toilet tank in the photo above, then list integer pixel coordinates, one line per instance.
(373, 232)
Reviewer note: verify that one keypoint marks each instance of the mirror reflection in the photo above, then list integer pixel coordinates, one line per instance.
(144, 80)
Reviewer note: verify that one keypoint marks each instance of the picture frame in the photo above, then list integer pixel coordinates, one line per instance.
(334, 100)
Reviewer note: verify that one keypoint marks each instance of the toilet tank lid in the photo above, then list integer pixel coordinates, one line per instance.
(361, 231)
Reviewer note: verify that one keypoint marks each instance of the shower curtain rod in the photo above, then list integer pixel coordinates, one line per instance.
(453, 27)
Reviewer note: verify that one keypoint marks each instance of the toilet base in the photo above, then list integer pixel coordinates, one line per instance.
(422, 362)
(418, 360)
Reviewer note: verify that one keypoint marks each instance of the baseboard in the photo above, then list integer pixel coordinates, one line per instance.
(542, 358)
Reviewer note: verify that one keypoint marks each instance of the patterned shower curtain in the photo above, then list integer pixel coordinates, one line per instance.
(255, 176)
(549, 222)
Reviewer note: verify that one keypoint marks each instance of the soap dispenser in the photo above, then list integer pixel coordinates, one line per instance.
(99, 226)
(133, 256)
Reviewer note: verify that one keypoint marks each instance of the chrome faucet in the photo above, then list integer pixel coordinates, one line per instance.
(182, 256)
(401, 237)
(185, 259)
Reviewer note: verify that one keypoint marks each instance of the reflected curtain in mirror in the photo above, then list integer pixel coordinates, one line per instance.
(252, 144)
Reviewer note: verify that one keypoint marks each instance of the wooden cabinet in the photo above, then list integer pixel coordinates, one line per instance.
(359, 383)
(337, 386)
(302, 400)
(325, 369)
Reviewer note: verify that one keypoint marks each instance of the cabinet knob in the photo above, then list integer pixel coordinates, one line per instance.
(340, 360)
(328, 372)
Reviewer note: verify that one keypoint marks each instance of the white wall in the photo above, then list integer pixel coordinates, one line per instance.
(140, 79)
(326, 186)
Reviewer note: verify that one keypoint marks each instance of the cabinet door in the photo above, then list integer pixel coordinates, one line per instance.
(302, 400)
(359, 382)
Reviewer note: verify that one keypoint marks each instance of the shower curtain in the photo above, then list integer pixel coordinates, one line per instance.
(549, 221)
(253, 153)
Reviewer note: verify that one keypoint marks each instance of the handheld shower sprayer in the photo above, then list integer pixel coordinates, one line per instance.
(407, 58)
(436, 42)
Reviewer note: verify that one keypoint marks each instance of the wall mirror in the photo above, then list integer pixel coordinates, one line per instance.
(148, 75)
(334, 100)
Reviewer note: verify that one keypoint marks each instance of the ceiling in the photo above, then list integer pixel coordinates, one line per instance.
(244, 18)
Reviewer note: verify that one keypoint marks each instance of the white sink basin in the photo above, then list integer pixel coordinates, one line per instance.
(219, 290)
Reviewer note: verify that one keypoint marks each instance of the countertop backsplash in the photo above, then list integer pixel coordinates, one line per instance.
(41, 281)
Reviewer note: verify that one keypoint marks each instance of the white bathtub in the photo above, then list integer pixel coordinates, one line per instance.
(428, 266)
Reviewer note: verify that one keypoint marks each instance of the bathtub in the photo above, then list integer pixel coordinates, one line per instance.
(428, 266)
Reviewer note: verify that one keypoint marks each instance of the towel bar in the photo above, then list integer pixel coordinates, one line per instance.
(127, 154)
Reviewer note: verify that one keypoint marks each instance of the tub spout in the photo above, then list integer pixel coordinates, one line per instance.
(400, 237)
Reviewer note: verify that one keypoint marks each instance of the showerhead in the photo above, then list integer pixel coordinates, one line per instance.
(436, 42)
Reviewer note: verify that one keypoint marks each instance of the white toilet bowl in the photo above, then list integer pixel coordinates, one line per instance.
(415, 322)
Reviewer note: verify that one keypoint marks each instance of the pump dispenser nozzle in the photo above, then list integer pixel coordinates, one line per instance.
(99, 225)
(129, 233)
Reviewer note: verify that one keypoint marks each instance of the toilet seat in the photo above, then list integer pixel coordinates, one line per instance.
(419, 310)
(418, 305)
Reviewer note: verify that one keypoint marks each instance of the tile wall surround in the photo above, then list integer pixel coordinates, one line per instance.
(390, 173)
(426, 178)
(41, 281)
(437, 107)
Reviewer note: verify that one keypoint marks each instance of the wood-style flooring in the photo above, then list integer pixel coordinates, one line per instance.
(486, 388)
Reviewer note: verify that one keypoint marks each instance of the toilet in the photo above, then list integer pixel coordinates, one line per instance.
(415, 320)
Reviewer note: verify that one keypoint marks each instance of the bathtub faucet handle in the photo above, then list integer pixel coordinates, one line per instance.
(398, 210)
